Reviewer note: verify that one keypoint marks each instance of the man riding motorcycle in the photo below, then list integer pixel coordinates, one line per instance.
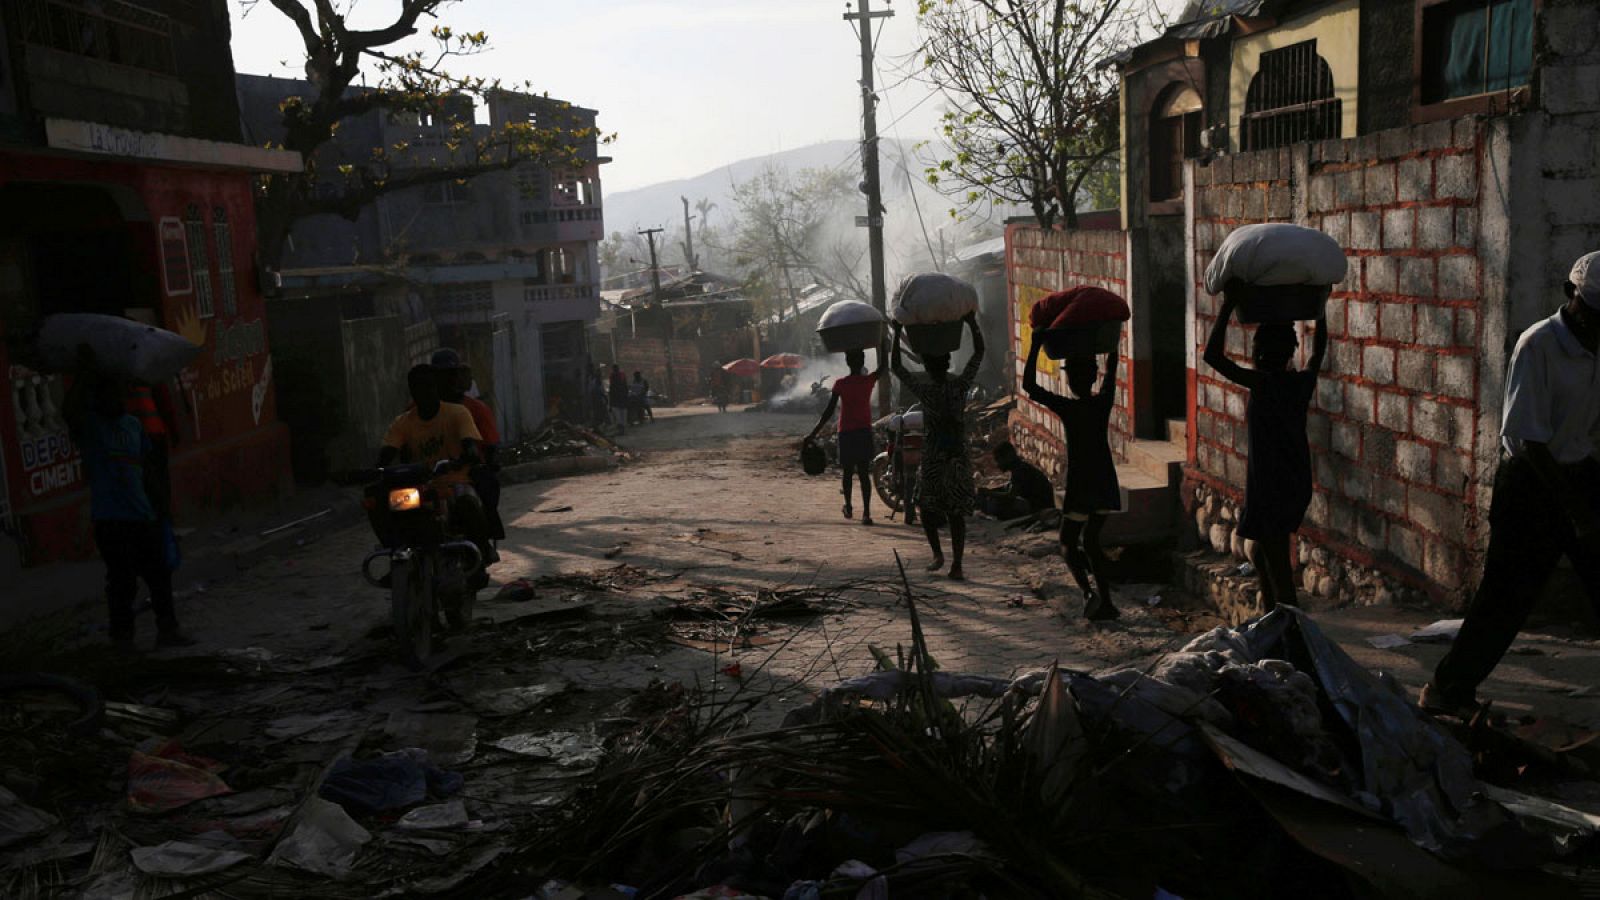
(455, 379)
(442, 436)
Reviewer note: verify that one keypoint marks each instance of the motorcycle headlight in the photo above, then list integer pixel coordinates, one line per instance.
(405, 499)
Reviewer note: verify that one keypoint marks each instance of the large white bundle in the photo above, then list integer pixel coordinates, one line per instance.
(1276, 253)
(849, 312)
(121, 347)
(932, 299)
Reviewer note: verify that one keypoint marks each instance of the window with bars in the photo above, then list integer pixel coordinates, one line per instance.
(227, 290)
(1290, 100)
(1474, 47)
(200, 254)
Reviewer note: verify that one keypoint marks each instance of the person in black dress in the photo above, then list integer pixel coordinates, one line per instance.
(1092, 491)
(947, 493)
(1278, 472)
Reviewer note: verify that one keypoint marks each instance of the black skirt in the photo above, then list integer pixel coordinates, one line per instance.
(856, 448)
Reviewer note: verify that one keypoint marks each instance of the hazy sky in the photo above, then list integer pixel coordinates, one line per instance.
(687, 85)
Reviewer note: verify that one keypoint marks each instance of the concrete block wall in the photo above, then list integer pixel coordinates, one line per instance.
(1038, 262)
(1394, 425)
(649, 355)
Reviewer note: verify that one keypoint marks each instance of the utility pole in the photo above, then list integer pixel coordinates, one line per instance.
(655, 301)
(869, 162)
(688, 237)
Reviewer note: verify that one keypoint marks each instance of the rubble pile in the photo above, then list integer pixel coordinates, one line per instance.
(1124, 783)
(558, 438)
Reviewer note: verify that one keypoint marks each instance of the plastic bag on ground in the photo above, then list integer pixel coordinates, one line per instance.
(19, 821)
(165, 778)
(325, 841)
(180, 859)
(438, 817)
(933, 298)
(1276, 253)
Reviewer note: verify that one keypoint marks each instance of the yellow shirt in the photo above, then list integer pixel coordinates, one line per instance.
(437, 438)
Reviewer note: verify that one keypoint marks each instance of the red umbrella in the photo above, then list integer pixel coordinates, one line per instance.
(784, 361)
(742, 368)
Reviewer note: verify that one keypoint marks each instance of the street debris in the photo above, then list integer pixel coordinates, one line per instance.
(1441, 632)
(559, 438)
(395, 780)
(180, 859)
(1388, 641)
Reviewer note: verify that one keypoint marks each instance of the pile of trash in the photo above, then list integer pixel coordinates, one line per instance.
(559, 438)
(1125, 783)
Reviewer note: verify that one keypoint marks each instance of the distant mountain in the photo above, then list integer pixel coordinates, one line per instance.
(658, 205)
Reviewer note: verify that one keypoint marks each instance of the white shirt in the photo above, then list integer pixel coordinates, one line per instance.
(1552, 393)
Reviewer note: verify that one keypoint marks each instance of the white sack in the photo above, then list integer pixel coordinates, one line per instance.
(1276, 253)
(122, 347)
(933, 298)
(849, 312)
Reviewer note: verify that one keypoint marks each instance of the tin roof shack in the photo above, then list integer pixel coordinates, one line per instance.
(503, 267)
(126, 190)
(1448, 146)
(702, 318)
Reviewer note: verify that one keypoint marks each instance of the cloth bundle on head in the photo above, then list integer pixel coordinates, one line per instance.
(933, 298)
(849, 312)
(1276, 254)
(1078, 307)
(1585, 278)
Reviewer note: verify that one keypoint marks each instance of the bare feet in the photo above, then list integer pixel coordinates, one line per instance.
(956, 574)
(866, 519)
(1099, 609)
(848, 512)
(937, 564)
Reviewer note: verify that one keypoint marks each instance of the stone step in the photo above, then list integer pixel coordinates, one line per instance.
(1161, 460)
(1178, 432)
(1149, 509)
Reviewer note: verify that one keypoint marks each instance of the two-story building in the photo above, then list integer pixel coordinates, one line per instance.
(504, 267)
(125, 189)
(1450, 147)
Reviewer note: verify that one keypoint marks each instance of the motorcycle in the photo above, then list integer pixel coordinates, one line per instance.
(894, 471)
(431, 568)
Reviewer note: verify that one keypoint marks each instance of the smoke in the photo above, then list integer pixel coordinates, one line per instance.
(815, 370)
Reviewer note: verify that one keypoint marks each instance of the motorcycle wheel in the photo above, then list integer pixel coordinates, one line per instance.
(883, 479)
(411, 610)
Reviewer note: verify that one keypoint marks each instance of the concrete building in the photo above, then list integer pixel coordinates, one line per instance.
(503, 267)
(125, 189)
(1450, 148)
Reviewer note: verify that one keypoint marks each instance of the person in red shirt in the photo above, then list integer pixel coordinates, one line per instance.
(852, 397)
(455, 379)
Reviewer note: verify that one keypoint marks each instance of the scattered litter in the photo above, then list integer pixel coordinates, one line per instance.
(180, 859)
(1441, 632)
(1153, 600)
(568, 749)
(1388, 641)
(516, 700)
(19, 821)
(616, 551)
(164, 778)
(555, 509)
(316, 728)
(325, 840)
(391, 781)
(1245, 569)
(438, 817)
(519, 591)
(449, 740)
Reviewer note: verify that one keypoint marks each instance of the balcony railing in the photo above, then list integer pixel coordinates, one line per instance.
(539, 293)
(111, 30)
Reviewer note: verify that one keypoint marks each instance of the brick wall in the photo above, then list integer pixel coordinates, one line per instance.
(1038, 262)
(1394, 425)
(649, 356)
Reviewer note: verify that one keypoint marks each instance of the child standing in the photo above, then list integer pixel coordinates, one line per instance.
(852, 397)
(1278, 473)
(1092, 491)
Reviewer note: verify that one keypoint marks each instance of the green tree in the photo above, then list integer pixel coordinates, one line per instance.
(408, 82)
(793, 229)
(1031, 107)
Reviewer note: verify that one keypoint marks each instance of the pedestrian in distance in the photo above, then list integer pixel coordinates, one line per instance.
(619, 399)
(945, 483)
(127, 526)
(639, 398)
(852, 398)
(1278, 464)
(719, 386)
(1091, 491)
(1546, 500)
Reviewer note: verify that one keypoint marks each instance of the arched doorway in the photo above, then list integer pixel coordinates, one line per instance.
(1175, 124)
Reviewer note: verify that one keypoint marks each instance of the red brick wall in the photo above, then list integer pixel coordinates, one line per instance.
(1394, 421)
(1040, 261)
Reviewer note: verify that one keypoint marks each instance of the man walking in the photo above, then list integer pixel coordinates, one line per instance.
(1546, 490)
(127, 528)
(619, 398)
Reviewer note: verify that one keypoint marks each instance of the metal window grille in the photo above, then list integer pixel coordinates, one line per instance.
(110, 30)
(1290, 100)
(200, 254)
(226, 288)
